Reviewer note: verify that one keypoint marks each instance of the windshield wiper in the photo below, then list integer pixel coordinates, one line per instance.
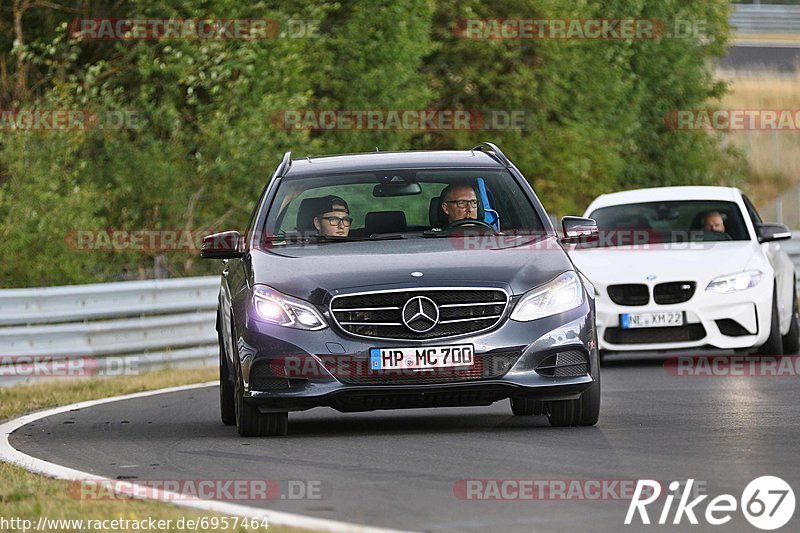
(459, 231)
(292, 238)
(390, 236)
(434, 233)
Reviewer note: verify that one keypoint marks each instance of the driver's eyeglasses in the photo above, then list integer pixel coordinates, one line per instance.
(463, 203)
(335, 221)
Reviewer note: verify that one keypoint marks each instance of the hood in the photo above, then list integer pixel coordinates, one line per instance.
(516, 263)
(700, 262)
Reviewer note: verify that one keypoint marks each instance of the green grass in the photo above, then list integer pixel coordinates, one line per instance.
(28, 496)
(773, 156)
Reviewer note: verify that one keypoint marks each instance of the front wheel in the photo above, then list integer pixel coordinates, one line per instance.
(252, 423)
(585, 411)
(791, 341)
(774, 344)
(522, 406)
(227, 399)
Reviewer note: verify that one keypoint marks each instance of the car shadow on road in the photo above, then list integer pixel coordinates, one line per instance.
(644, 359)
(416, 422)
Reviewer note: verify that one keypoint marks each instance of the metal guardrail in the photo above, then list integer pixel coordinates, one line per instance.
(792, 247)
(74, 303)
(784, 209)
(132, 324)
(141, 323)
(762, 19)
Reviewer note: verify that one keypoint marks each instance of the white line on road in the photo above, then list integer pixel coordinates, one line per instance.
(11, 455)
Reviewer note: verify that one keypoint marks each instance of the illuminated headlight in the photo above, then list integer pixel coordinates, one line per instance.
(735, 282)
(276, 308)
(562, 294)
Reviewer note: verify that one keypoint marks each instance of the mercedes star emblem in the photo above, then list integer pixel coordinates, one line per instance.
(420, 314)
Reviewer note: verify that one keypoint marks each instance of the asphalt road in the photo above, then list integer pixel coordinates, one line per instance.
(401, 469)
(778, 58)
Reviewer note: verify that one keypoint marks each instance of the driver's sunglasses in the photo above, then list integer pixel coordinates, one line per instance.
(463, 203)
(335, 221)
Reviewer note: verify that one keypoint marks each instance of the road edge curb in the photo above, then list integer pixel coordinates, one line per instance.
(16, 457)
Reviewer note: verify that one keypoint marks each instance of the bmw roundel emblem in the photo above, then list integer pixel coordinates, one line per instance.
(651, 277)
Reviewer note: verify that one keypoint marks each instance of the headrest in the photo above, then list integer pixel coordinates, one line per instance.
(631, 222)
(385, 222)
(436, 216)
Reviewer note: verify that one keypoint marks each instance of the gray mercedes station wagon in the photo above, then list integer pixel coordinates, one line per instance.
(395, 280)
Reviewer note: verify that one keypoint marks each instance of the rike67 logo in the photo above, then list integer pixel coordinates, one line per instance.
(767, 503)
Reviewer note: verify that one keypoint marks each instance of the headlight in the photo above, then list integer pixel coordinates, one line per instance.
(272, 306)
(562, 294)
(735, 282)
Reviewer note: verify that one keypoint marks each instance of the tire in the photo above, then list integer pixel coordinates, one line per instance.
(247, 416)
(584, 411)
(774, 344)
(227, 399)
(522, 406)
(791, 341)
(252, 423)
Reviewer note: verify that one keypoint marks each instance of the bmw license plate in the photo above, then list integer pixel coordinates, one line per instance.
(422, 357)
(652, 320)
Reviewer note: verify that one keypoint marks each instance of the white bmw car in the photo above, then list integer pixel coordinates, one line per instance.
(689, 268)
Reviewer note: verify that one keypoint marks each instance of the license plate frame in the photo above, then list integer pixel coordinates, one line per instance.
(652, 319)
(433, 357)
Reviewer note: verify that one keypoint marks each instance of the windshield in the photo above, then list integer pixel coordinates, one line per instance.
(367, 205)
(669, 222)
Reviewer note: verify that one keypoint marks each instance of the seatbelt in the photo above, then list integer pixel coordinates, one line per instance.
(488, 216)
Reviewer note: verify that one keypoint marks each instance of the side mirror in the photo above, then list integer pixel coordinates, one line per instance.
(772, 232)
(578, 229)
(224, 245)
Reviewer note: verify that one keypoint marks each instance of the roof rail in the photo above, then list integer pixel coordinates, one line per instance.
(493, 151)
(285, 164)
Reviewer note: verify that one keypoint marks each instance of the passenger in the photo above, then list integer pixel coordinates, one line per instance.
(334, 218)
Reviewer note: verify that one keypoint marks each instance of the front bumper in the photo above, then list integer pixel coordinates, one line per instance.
(708, 323)
(285, 369)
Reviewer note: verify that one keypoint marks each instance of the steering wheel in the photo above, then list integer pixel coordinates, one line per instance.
(468, 222)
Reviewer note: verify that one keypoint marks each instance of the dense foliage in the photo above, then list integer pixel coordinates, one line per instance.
(206, 137)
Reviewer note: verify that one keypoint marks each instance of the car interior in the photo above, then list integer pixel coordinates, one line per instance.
(403, 206)
(672, 221)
